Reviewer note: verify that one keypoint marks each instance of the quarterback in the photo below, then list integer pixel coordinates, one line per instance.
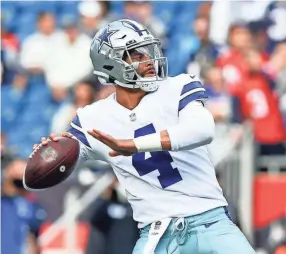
(153, 133)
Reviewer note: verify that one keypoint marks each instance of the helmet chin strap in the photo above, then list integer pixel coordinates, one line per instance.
(144, 86)
(148, 86)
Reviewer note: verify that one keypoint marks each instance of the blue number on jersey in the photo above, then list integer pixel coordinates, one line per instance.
(160, 161)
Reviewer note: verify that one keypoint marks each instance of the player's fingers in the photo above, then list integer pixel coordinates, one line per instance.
(114, 153)
(104, 136)
(94, 134)
(53, 137)
(67, 134)
(44, 141)
(97, 134)
(35, 146)
(117, 153)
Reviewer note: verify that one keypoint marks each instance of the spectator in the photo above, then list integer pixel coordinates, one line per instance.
(259, 35)
(84, 94)
(142, 11)
(277, 65)
(219, 104)
(204, 10)
(21, 218)
(259, 102)
(232, 62)
(225, 13)
(106, 15)
(9, 54)
(92, 14)
(6, 156)
(69, 61)
(275, 18)
(112, 216)
(37, 48)
(207, 53)
(218, 101)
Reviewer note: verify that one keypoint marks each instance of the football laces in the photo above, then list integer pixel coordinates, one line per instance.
(37, 148)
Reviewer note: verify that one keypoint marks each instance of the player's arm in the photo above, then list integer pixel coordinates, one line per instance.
(195, 128)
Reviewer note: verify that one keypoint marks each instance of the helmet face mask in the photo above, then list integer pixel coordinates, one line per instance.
(125, 53)
(147, 64)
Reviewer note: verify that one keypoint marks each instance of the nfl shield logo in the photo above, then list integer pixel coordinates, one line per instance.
(49, 154)
(132, 117)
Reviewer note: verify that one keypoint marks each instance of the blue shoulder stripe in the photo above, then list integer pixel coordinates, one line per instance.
(191, 97)
(190, 86)
(76, 121)
(79, 135)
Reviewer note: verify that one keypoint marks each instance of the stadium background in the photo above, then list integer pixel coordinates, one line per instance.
(239, 51)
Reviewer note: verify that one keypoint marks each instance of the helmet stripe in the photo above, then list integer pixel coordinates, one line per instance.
(136, 28)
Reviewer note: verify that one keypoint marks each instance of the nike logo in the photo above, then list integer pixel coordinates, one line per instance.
(209, 224)
(192, 76)
(121, 37)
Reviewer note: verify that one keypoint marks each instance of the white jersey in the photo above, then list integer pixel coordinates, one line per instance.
(158, 184)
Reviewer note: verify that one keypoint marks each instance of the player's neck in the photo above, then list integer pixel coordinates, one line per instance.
(129, 98)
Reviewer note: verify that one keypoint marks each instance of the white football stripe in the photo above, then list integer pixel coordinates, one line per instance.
(192, 91)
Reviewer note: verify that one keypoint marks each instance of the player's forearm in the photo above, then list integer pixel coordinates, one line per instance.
(188, 137)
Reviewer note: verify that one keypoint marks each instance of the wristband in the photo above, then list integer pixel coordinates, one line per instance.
(148, 143)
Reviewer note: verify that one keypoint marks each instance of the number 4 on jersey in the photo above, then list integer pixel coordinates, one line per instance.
(160, 161)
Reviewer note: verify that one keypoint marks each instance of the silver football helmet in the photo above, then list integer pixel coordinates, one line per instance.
(111, 50)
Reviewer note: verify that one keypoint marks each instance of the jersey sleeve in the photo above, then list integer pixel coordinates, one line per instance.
(77, 130)
(88, 150)
(191, 90)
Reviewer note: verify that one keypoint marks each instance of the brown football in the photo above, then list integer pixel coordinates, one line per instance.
(51, 164)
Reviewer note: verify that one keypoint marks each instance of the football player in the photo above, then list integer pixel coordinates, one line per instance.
(153, 132)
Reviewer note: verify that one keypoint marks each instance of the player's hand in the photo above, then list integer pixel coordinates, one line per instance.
(53, 137)
(125, 147)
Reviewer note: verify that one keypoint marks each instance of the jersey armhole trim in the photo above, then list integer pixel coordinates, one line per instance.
(79, 134)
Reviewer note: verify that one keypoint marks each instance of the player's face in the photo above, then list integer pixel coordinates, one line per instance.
(14, 174)
(141, 59)
(145, 69)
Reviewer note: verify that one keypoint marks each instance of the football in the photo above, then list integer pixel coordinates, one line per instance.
(51, 164)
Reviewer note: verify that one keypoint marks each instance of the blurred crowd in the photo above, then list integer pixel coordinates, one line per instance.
(238, 48)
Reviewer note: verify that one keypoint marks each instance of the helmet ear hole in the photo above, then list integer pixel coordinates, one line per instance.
(108, 67)
(124, 57)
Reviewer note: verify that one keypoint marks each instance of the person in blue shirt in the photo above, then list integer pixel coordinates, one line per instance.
(20, 217)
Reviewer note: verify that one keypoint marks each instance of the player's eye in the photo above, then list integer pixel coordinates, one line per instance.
(137, 57)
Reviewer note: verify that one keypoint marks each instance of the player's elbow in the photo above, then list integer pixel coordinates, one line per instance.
(208, 130)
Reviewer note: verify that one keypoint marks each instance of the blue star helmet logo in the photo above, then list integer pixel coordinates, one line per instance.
(104, 38)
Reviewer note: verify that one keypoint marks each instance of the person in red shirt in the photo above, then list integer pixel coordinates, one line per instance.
(232, 61)
(259, 102)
